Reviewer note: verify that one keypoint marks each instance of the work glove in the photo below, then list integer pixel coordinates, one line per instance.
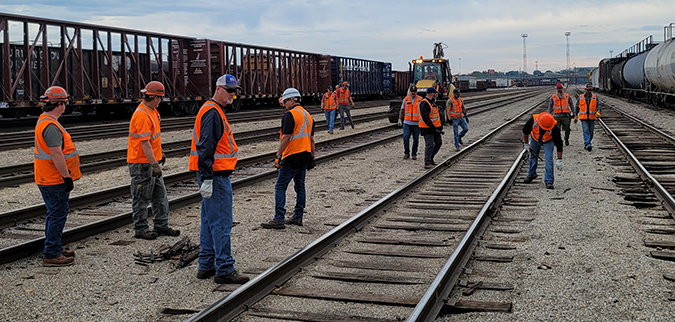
(312, 164)
(526, 146)
(69, 183)
(576, 118)
(277, 162)
(559, 164)
(163, 160)
(206, 189)
(400, 123)
(156, 170)
(439, 131)
(597, 114)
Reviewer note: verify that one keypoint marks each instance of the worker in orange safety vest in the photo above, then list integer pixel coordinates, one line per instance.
(588, 109)
(560, 106)
(409, 118)
(431, 127)
(56, 164)
(344, 98)
(542, 131)
(329, 106)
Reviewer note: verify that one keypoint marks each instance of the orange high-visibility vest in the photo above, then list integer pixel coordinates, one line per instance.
(328, 101)
(587, 112)
(343, 96)
(535, 130)
(144, 126)
(225, 157)
(561, 105)
(301, 138)
(433, 115)
(457, 107)
(412, 109)
(44, 170)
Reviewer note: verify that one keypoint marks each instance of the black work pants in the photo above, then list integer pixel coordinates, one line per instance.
(432, 143)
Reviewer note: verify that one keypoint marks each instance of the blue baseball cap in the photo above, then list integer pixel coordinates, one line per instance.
(431, 90)
(229, 81)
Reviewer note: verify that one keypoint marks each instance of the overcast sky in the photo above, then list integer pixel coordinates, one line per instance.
(485, 34)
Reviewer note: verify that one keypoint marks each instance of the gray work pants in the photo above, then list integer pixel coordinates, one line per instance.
(148, 190)
(345, 109)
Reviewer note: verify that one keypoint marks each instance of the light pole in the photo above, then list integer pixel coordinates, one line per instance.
(610, 53)
(460, 65)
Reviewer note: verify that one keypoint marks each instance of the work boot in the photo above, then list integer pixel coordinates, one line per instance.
(293, 221)
(406, 156)
(206, 274)
(330, 132)
(457, 148)
(342, 128)
(68, 252)
(414, 157)
(149, 235)
(428, 166)
(352, 124)
(549, 185)
(567, 142)
(168, 232)
(590, 148)
(273, 224)
(529, 179)
(460, 141)
(232, 278)
(58, 261)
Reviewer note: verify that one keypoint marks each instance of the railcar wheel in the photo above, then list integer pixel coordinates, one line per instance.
(236, 105)
(176, 109)
(193, 108)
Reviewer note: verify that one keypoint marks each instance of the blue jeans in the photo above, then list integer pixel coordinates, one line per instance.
(330, 118)
(216, 221)
(286, 173)
(588, 127)
(460, 122)
(408, 130)
(147, 189)
(534, 159)
(56, 201)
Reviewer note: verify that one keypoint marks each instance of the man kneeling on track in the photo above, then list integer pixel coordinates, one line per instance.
(56, 165)
(543, 131)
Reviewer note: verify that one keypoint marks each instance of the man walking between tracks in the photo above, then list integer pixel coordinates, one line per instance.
(409, 118)
(542, 130)
(213, 155)
(329, 105)
(457, 114)
(560, 106)
(344, 98)
(430, 127)
(294, 157)
(588, 109)
(145, 160)
(56, 164)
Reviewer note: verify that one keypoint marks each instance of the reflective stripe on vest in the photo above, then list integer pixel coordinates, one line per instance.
(536, 131)
(225, 157)
(561, 105)
(433, 115)
(412, 109)
(343, 96)
(457, 107)
(329, 101)
(300, 139)
(45, 172)
(587, 112)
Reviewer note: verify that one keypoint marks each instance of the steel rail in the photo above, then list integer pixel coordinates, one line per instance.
(666, 198)
(26, 249)
(245, 296)
(106, 160)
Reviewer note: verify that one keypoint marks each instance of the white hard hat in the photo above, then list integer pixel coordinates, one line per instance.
(290, 93)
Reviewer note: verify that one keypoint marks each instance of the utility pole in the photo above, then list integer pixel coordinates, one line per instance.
(567, 66)
(524, 54)
(536, 65)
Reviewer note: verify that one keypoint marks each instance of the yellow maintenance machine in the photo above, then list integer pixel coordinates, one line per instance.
(425, 73)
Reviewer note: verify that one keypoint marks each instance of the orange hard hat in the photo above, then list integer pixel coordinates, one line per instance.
(153, 88)
(558, 85)
(546, 121)
(281, 100)
(344, 83)
(54, 94)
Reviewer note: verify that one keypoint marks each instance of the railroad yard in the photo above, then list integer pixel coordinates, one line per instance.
(533, 261)
(385, 235)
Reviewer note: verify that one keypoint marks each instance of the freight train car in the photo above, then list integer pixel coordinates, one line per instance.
(104, 68)
(400, 83)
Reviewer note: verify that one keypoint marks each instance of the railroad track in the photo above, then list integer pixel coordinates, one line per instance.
(12, 239)
(401, 255)
(23, 173)
(102, 131)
